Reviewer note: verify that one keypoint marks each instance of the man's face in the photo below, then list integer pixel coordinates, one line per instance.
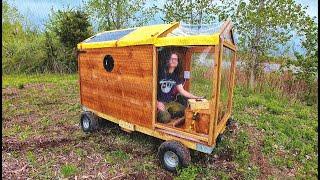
(173, 61)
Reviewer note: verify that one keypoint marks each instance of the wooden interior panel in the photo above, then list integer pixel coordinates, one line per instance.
(125, 92)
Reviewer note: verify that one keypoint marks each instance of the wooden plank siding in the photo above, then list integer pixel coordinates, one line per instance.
(126, 92)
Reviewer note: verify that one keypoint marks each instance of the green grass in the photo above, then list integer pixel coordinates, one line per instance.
(116, 156)
(20, 80)
(31, 157)
(47, 107)
(25, 133)
(288, 127)
(190, 173)
(68, 170)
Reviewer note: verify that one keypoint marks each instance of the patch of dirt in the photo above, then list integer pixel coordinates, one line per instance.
(39, 86)
(12, 144)
(13, 92)
(22, 120)
(255, 150)
(143, 176)
(222, 161)
(135, 176)
(13, 168)
(257, 158)
(63, 129)
(226, 155)
(10, 93)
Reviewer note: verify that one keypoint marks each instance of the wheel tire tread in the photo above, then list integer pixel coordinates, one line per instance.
(178, 148)
(93, 121)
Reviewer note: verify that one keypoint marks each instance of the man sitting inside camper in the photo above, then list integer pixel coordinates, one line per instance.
(170, 83)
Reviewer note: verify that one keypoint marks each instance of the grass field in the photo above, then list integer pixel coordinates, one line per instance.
(41, 138)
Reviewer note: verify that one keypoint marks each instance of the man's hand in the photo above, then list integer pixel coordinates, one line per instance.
(200, 97)
(160, 106)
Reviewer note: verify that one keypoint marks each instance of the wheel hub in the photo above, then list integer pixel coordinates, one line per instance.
(86, 123)
(171, 159)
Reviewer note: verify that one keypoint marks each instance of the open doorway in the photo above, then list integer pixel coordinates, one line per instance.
(194, 72)
(172, 65)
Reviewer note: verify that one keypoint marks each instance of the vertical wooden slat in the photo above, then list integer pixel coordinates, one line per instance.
(155, 85)
(215, 94)
(79, 74)
(219, 86)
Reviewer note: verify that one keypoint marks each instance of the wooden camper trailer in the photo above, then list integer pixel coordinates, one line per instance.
(118, 79)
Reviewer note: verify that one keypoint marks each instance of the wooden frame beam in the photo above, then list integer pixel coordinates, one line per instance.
(155, 85)
(200, 137)
(231, 78)
(165, 33)
(225, 28)
(79, 73)
(215, 108)
(229, 45)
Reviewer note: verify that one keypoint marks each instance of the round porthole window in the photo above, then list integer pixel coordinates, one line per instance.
(108, 63)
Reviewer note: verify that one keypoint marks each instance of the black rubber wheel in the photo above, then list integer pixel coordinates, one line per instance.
(232, 125)
(173, 155)
(230, 121)
(89, 122)
(220, 138)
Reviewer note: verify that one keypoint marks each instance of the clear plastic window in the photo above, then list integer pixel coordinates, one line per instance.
(190, 30)
(201, 75)
(227, 58)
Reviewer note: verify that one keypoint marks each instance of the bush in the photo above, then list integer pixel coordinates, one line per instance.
(24, 55)
(26, 50)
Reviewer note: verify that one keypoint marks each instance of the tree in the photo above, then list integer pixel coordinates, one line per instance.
(117, 14)
(262, 26)
(190, 11)
(22, 48)
(65, 29)
(307, 65)
(11, 27)
(11, 21)
(71, 26)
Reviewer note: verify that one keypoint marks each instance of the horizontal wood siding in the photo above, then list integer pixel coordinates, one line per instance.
(126, 92)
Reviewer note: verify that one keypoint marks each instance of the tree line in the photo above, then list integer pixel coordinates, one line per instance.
(261, 26)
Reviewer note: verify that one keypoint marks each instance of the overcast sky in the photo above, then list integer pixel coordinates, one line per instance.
(37, 11)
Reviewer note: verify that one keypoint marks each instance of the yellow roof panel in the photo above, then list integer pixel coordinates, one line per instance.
(143, 35)
(154, 34)
(93, 45)
(187, 40)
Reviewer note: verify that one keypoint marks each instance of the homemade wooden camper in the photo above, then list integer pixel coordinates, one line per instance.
(118, 82)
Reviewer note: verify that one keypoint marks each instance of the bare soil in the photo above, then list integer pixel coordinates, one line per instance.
(42, 135)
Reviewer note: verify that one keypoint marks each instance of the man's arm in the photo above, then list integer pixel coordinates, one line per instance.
(160, 106)
(186, 93)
